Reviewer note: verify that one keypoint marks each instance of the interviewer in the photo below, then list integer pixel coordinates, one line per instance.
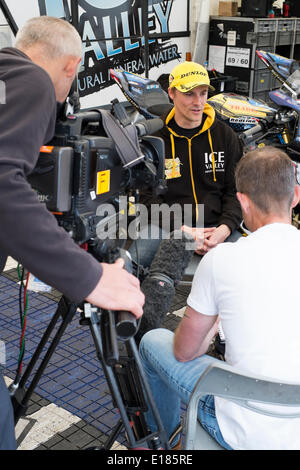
(36, 74)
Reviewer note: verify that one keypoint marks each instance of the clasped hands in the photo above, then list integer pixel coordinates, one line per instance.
(207, 238)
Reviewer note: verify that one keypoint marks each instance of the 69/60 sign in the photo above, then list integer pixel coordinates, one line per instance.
(238, 57)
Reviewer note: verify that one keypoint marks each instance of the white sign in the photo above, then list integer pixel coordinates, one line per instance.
(216, 58)
(238, 57)
(231, 38)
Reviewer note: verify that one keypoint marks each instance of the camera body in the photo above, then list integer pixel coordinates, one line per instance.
(82, 169)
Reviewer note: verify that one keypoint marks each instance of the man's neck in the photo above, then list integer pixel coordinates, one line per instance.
(271, 219)
(189, 129)
(186, 124)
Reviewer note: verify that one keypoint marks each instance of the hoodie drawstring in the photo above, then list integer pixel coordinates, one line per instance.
(213, 155)
(190, 162)
(173, 154)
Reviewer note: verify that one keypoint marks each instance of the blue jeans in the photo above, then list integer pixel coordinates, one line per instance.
(144, 248)
(7, 427)
(172, 382)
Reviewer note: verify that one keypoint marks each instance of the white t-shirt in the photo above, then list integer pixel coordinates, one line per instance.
(253, 285)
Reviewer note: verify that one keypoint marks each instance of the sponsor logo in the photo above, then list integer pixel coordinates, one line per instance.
(194, 72)
(219, 161)
(44, 197)
(243, 120)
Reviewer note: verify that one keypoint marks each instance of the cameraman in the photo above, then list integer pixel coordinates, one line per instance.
(36, 74)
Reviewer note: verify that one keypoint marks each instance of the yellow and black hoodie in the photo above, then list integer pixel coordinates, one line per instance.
(200, 167)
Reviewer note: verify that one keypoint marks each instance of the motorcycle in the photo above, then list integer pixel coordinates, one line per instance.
(256, 122)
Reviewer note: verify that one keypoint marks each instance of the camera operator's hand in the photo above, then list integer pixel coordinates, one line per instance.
(118, 290)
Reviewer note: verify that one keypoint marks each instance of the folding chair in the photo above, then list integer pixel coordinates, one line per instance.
(228, 382)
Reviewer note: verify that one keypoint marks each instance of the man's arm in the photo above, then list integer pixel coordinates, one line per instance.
(29, 232)
(194, 334)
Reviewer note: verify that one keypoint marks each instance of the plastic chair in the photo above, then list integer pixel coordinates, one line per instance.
(190, 270)
(228, 382)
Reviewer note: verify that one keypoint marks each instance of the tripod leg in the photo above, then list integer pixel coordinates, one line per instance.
(95, 330)
(132, 350)
(133, 420)
(19, 397)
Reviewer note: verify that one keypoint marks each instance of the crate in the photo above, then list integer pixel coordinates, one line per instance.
(228, 8)
(242, 87)
(264, 35)
(261, 39)
(264, 96)
(261, 95)
(266, 26)
(275, 83)
(285, 32)
(258, 64)
(297, 36)
(262, 80)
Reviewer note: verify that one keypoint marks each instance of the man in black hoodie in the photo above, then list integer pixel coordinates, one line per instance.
(36, 74)
(201, 153)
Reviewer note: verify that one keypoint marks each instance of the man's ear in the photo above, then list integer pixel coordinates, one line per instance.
(244, 201)
(296, 197)
(71, 66)
(171, 93)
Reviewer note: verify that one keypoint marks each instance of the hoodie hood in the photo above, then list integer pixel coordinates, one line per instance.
(208, 111)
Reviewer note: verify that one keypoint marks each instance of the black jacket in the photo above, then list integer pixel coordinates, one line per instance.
(28, 231)
(205, 173)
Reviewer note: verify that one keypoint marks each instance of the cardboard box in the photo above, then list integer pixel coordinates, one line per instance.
(228, 8)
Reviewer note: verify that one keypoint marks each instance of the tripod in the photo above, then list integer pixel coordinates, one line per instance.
(125, 375)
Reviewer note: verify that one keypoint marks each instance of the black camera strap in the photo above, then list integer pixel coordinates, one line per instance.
(125, 139)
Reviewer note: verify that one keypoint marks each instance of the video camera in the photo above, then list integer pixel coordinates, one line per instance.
(97, 156)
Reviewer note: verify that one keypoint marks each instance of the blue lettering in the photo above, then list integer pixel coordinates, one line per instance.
(141, 28)
(88, 34)
(107, 33)
(128, 44)
(163, 16)
(55, 8)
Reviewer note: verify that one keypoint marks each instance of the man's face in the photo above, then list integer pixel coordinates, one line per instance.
(189, 106)
(65, 73)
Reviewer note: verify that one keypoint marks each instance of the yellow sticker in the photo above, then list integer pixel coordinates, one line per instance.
(261, 145)
(172, 168)
(103, 181)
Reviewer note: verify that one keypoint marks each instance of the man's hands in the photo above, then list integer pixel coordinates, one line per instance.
(207, 238)
(118, 290)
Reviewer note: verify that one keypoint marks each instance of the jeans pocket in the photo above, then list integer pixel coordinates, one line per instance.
(211, 430)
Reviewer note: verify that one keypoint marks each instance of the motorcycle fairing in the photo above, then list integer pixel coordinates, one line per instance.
(240, 112)
(282, 99)
(278, 64)
(144, 94)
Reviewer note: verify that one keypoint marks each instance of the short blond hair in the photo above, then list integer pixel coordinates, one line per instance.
(55, 36)
(267, 176)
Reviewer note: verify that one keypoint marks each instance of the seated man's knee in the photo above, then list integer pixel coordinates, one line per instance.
(155, 340)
